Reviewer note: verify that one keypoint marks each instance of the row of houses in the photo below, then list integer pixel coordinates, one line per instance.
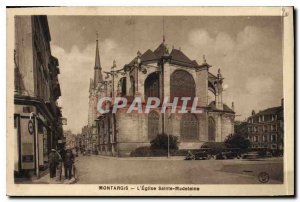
(37, 115)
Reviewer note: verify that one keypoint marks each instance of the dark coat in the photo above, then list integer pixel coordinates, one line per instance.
(53, 158)
(62, 154)
(69, 158)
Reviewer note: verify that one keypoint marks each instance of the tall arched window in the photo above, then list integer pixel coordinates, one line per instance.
(182, 85)
(189, 128)
(152, 85)
(132, 86)
(211, 129)
(122, 86)
(153, 122)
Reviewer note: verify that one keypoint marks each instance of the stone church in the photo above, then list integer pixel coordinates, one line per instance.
(158, 73)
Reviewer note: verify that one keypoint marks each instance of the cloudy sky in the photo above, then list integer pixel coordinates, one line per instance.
(246, 49)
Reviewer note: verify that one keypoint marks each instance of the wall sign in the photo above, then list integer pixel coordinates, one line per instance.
(30, 127)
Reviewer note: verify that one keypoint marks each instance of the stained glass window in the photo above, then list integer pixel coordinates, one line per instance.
(152, 85)
(182, 85)
(189, 128)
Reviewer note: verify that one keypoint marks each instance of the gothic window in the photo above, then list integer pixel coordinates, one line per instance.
(189, 128)
(153, 122)
(122, 86)
(182, 85)
(152, 85)
(211, 130)
(132, 86)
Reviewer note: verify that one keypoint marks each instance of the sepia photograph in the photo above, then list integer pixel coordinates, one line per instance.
(150, 101)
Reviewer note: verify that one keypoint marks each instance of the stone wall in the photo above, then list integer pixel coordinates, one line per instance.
(202, 87)
(227, 125)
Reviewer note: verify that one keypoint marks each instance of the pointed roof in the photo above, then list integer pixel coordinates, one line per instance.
(148, 56)
(176, 57)
(97, 57)
(161, 50)
(179, 56)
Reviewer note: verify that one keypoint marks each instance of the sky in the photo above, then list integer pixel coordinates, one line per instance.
(248, 50)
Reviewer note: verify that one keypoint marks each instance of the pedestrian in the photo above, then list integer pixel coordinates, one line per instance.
(68, 163)
(53, 161)
(74, 170)
(62, 153)
(59, 167)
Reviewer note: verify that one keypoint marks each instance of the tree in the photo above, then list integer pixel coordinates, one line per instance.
(237, 141)
(161, 142)
(241, 128)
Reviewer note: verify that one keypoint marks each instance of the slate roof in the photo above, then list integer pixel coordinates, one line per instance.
(270, 111)
(148, 56)
(161, 50)
(212, 105)
(177, 56)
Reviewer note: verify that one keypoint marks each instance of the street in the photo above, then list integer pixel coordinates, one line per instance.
(109, 170)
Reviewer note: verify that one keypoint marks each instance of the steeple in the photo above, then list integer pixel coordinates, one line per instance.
(97, 57)
(97, 69)
(164, 37)
(91, 85)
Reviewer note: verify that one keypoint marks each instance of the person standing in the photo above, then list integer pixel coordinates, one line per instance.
(68, 162)
(59, 167)
(53, 161)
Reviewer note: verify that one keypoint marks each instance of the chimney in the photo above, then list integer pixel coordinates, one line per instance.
(282, 102)
(232, 106)
(253, 112)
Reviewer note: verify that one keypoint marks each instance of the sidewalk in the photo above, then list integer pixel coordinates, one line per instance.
(47, 180)
(164, 158)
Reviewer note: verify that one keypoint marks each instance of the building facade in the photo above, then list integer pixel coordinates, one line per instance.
(71, 142)
(163, 74)
(266, 128)
(37, 116)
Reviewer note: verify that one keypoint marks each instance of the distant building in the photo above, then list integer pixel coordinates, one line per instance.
(160, 74)
(37, 117)
(266, 128)
(70, 139)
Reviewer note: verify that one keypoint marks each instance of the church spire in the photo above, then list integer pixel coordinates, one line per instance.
(97, 69)
(97, 57)
(164, 37)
